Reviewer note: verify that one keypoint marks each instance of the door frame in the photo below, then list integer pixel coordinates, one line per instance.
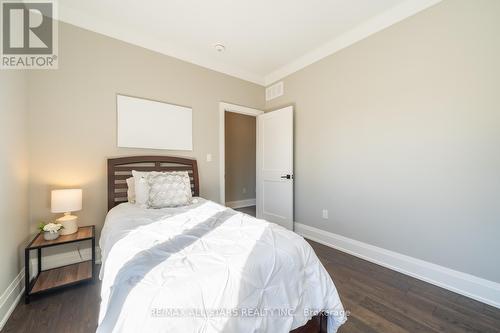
(223, 108)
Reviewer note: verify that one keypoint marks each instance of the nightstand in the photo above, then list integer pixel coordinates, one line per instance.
(59, 277)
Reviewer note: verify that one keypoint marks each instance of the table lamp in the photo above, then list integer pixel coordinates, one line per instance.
(67, 201)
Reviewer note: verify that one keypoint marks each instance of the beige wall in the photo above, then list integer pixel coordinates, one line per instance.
(13, 177)
(398, 136)
(240, 156)
(72, 118)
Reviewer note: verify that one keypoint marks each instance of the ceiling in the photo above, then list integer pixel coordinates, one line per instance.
(265, 40)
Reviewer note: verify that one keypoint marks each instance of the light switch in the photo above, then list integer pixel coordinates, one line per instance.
(209, 157)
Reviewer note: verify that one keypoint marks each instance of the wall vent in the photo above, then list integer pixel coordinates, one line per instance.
(274, 91)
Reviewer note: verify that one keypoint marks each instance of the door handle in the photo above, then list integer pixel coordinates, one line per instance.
(287, 177)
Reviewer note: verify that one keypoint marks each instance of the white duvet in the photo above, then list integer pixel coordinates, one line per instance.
(207, 268)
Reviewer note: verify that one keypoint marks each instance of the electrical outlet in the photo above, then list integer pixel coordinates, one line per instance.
(325, 214)
(244, 190)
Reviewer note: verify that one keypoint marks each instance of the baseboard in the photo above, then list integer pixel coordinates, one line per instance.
(241, 203)
(11, 297)
(462, 283)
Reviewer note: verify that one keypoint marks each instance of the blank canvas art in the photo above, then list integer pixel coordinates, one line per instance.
(143, 123)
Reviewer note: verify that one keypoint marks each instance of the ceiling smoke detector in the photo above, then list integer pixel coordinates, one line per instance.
(219, 47)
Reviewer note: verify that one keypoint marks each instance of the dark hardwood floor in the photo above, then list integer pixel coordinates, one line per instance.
(382, 300)
(250, 210)
(378, 299)
(73, 310)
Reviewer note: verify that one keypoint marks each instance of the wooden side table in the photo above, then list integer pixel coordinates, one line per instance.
(59, 277)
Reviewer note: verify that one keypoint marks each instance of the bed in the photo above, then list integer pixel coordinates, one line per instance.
(205, 267)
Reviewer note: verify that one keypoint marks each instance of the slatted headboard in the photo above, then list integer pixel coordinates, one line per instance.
(119, 169)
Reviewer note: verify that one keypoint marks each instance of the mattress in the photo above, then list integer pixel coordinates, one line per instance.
(208, 268)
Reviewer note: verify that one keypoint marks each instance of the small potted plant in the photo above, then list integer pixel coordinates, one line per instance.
(50, 230)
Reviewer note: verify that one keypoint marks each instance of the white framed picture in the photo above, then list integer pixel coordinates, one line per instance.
(144, 123)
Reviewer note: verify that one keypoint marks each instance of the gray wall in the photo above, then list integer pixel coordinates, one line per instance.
(72, 118)
(398, 136)
(240, 142)
(13, 177)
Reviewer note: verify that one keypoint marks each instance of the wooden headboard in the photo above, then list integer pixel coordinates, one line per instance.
(119, 169)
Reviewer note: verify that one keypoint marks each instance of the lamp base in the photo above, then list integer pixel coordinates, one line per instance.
(69, 223)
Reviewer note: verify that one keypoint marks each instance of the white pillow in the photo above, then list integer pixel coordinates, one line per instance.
(169, 189)
(141, 188)
(131, 190)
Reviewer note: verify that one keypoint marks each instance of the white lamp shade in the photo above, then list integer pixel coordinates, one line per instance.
(64, 201)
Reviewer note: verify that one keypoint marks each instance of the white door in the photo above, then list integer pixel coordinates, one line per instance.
(275, 167)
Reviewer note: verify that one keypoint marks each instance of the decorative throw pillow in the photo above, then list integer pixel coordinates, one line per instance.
(141, 188)
(169, 189)
(131, 190)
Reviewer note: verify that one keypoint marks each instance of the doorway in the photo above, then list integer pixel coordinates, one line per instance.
(274, 164)
(238, 157)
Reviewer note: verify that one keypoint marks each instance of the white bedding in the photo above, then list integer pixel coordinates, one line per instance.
(207, 268)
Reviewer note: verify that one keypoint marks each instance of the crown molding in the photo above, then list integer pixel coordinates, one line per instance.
(362, 31)
(129, 35)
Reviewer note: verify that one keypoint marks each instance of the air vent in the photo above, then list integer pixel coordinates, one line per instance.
(274, 91)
